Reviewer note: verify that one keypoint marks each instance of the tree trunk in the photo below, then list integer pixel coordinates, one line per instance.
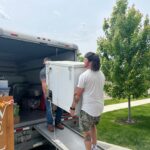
(129, 110)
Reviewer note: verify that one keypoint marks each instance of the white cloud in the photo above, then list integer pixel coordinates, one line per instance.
(57, 13)
(3, 15)
(83, 33)
(83, 25)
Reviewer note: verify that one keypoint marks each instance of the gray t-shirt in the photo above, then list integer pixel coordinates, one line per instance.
(43, 74)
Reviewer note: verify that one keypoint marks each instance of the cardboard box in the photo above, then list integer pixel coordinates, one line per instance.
(3, 84)
(6, 124)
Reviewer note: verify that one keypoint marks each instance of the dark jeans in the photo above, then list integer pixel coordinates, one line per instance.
(49, 114)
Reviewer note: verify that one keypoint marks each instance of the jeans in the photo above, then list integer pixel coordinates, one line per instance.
(49, 114)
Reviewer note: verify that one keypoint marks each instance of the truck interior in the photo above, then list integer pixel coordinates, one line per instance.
(20, 64)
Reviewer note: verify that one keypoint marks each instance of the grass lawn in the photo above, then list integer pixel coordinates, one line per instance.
(135, 136)
(116, 101)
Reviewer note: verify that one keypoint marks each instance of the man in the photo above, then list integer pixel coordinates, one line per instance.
(59, 111)
(90, 86)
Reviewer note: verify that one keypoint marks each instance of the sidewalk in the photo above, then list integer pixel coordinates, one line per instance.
(107, 146)
(124, 105)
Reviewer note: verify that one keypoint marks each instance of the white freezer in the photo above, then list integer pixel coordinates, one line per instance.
(62, 78)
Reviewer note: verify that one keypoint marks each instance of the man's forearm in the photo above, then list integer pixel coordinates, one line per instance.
(75, 100)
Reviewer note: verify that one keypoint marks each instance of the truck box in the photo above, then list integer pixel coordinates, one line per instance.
(21, 59)
(62, 78)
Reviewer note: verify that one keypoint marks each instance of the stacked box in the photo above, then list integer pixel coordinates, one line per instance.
(4, 90)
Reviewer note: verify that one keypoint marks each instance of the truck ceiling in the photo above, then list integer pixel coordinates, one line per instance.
(19, 47)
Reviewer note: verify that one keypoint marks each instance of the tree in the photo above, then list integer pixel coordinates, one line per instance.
(80, 57)
(125, 53)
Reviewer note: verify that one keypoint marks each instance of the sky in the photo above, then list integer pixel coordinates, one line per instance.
(74, 21)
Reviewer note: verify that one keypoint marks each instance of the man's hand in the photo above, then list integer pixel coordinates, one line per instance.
(72, 113)
(12, 101)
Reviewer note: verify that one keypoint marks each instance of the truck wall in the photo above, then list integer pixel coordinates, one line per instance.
(28, 71)
(9, 71)
(6, 66)
(31, 69)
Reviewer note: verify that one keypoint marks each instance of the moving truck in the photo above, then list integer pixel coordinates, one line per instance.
(21, 59)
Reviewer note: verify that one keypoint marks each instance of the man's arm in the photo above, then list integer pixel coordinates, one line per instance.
(43, 82)
(77, 95)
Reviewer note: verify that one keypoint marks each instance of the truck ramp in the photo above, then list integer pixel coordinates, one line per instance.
(66, 139)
